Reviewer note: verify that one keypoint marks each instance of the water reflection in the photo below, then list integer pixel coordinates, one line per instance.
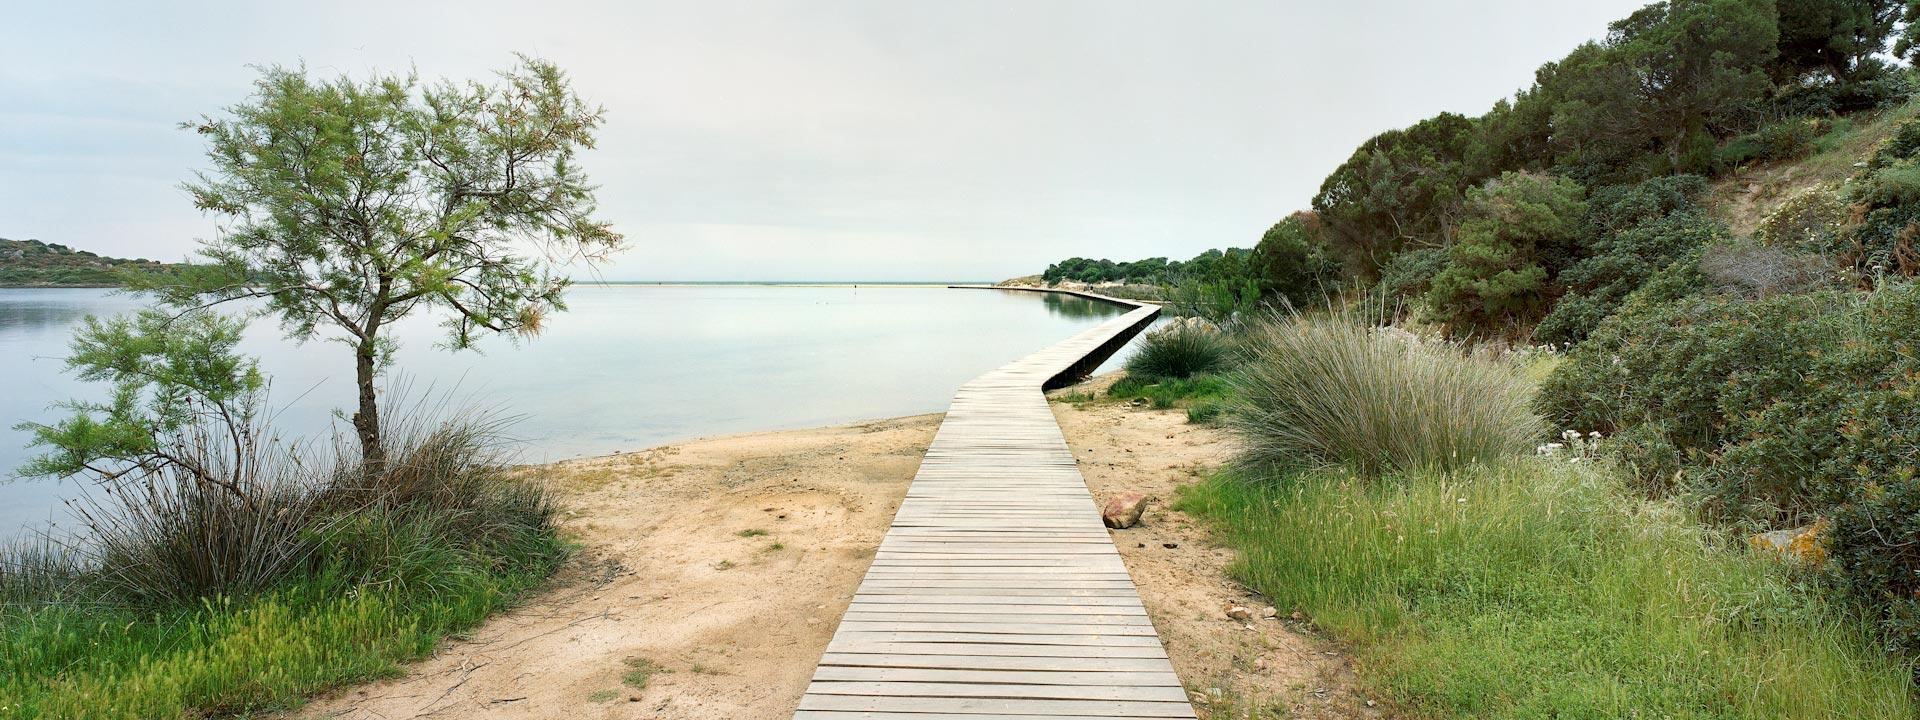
(32, 312)
(626, 368)
(1069, 306)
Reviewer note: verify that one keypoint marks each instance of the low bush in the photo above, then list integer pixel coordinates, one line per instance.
(1772, 409)
(1542, 588)
(182, 598)
(1180, 351)
(1326, 391)
(1772, 413)
(1631, 233)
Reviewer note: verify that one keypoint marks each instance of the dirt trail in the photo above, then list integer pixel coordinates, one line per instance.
(712, 574)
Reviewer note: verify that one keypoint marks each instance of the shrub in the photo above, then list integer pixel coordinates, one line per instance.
(1322, 391)
(1495, 275)
(1770, 410)
(1410, 275)
(1295, 266)
(1620, 264)
(1885, 237)
(1875, 544)
(1180, 351)
(1809, 221)
(1784, 140)
(1761, 271)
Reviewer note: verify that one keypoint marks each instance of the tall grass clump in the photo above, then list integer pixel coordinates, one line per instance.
(1539, 587)
(182, 598)
(1316, 390)
(1180, 351)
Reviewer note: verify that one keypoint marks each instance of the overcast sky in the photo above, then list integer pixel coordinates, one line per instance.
(884, 140)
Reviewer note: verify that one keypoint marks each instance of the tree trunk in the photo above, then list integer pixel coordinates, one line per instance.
(366, 420)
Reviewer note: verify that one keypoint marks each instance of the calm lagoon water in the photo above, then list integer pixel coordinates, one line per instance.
(627, 367)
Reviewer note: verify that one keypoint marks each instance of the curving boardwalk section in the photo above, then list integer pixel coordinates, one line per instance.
(997, 592)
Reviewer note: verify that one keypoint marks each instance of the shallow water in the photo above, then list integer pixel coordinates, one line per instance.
(626, 367)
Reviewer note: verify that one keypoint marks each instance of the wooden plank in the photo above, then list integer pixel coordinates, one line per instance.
(998, 690)
(1000, 706)
(1012, 677)
(996, 592)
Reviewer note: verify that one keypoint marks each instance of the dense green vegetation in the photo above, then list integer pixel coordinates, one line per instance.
(31, 263)
(1476, 575)
(1714, 213)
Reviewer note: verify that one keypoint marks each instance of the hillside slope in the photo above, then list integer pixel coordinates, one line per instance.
(31, 263)
(1744, 197)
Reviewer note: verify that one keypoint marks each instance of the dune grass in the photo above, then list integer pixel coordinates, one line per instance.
(1323, 390)
(186, 601)
(1180, 351)
(1539, 588)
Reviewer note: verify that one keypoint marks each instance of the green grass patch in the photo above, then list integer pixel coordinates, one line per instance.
(639, 671)
(751, 532)
(1166, 393)
(1540, 588)
(228, 656)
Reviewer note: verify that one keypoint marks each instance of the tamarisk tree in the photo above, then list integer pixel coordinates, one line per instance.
(347, 205)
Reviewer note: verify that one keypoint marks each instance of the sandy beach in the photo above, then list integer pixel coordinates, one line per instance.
(711, 575)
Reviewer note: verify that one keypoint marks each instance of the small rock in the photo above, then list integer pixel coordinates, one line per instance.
(1259, 663)
(1270, 613)
(1239, 613)
(1199, 697)
(1169, 546)
(633, 698)
(1124, 510)
(1299, 616)
(1139, 545)
(1371, 703)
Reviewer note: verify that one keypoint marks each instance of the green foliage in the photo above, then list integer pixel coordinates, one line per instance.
(1165, 392)
(1810, 221)
(1181, 351)
(1835, 38)
(1875, 542)
(1648, 100)
(1543, 589)
(1494, 276)
(172, 378)
(1293, 264)
(1772, 410)
(1326, 391)
(31, 263)
(1089, 270)
(1400, 188)
(349, 205)
(1403, 281)
(1632, 233)
(1784, 140)
(116, 626)
(1886, 199)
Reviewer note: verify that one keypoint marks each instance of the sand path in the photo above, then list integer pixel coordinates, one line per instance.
(719, 568)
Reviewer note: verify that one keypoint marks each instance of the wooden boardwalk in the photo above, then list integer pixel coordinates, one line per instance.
(997, 592)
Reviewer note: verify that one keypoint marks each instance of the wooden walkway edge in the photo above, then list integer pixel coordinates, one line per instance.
(997, 592)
